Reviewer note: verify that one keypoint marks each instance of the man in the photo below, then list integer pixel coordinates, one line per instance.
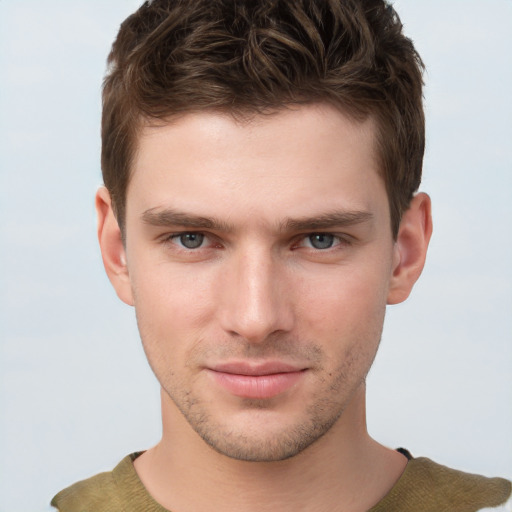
(261, 162)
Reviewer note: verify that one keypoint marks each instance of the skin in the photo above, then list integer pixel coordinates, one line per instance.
(263, 247)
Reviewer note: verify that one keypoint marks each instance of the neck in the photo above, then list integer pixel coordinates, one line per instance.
(343, 470)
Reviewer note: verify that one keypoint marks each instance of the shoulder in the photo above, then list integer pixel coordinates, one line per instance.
(457, 486)
(96, 493)
(427, 486)
(100, 493)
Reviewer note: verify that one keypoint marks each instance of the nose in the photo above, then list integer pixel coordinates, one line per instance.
(255, 300)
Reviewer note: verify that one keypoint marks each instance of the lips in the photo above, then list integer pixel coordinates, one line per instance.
(256, 381)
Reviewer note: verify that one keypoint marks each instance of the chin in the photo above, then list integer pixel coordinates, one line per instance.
(266, 439)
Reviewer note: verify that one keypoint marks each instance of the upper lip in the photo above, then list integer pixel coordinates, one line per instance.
(256, 368)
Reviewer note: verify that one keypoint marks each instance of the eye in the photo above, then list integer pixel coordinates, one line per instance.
(189, 240)
(321, 240)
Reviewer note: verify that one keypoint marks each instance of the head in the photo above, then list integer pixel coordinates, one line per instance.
(174, 57)
(261, 160)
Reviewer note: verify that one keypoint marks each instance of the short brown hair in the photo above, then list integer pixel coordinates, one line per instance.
(172, 57)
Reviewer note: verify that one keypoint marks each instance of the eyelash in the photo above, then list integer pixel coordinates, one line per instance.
(338, 240)
(170, 239)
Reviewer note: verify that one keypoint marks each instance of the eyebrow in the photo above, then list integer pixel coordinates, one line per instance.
(170, 217)
(327, 220)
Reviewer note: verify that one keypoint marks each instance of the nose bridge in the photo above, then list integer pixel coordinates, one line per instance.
(253, 305)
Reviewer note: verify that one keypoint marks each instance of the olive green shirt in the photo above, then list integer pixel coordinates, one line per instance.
(423, 487)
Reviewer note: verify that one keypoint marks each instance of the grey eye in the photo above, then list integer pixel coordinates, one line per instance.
(191, 240)
(321, 240)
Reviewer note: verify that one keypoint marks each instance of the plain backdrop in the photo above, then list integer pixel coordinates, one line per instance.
(76, 394)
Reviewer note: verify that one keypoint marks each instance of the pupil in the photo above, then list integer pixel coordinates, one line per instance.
(321, 241)
(191, 240)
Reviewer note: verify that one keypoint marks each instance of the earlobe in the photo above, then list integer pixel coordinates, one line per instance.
(112, 248)
(410, 248)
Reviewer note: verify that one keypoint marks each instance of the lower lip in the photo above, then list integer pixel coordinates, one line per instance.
(257, 386)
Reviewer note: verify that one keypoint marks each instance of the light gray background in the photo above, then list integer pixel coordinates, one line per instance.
(76, 393)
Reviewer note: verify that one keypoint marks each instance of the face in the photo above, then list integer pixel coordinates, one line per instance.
(259, 257)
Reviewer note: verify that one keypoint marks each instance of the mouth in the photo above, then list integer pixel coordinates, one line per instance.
(257, 380)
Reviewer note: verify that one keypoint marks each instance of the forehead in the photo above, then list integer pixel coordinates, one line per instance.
(290, 125)
(284, 162)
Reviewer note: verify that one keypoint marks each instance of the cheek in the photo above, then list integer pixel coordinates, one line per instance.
(346, 317)
(345, 297)
(171, 293)
(173, 310)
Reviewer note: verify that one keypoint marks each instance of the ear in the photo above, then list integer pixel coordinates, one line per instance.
(112, 247)
(410, 248)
